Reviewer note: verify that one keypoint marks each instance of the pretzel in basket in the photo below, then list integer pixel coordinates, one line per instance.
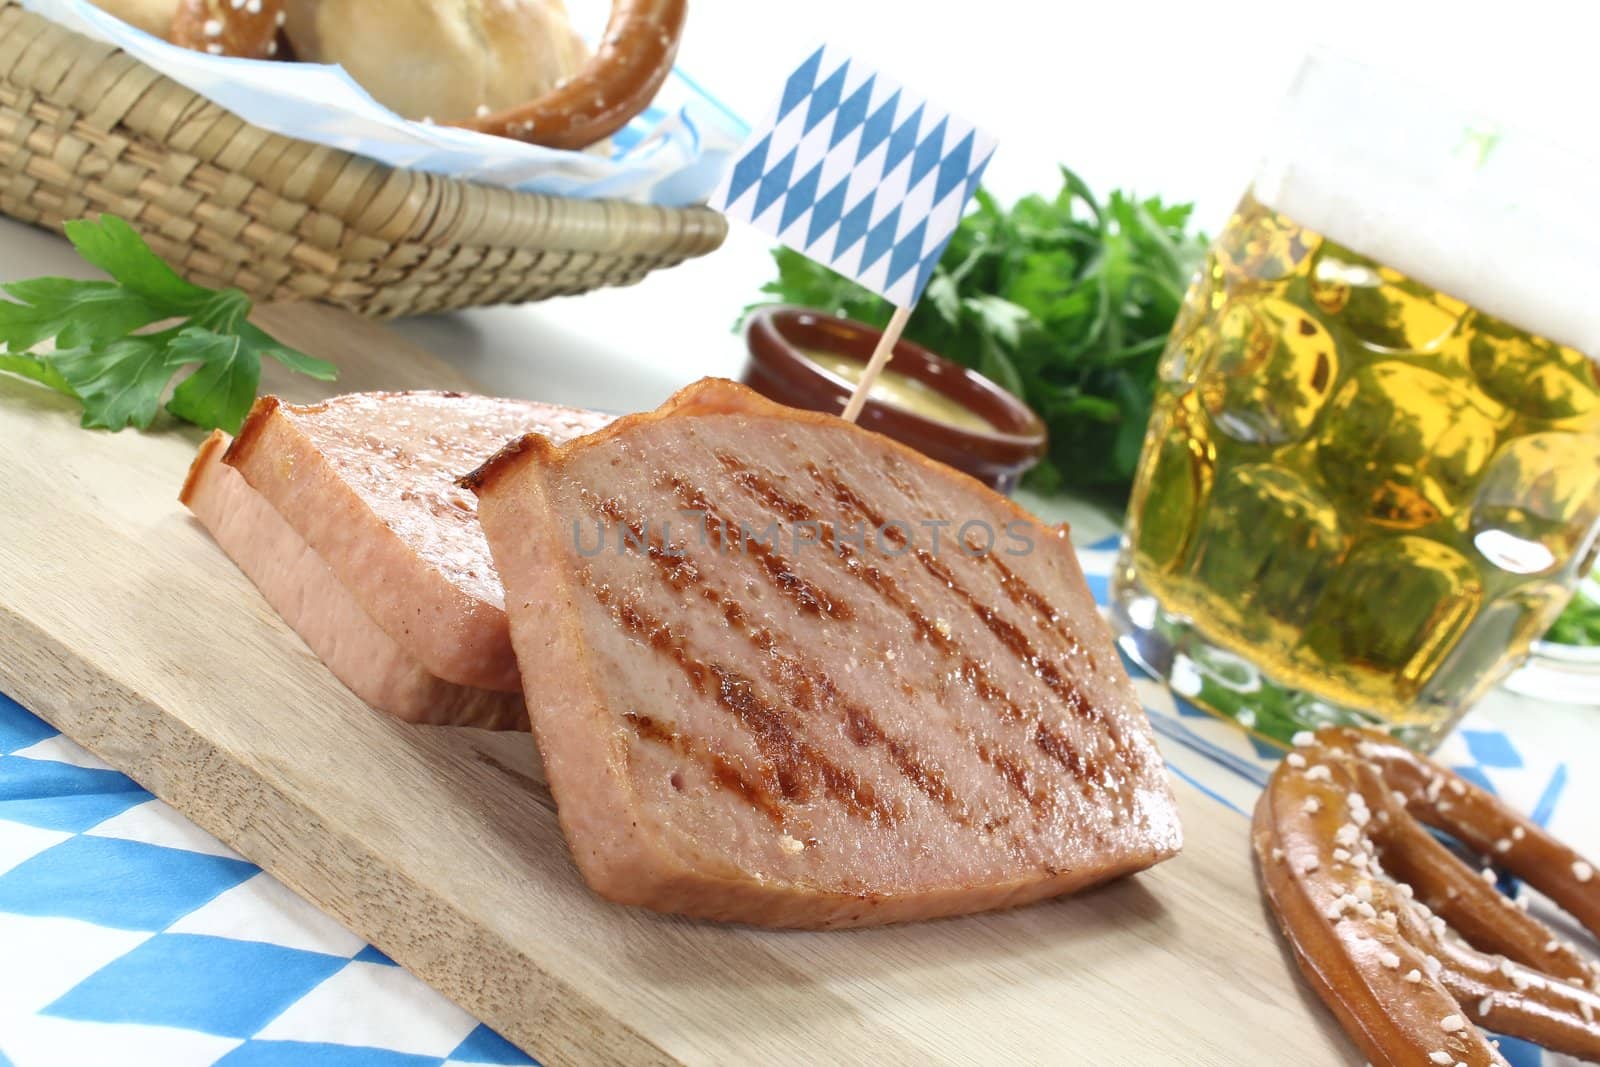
(617, 82)
(246, 28)
(1407, 945)
(432, 57)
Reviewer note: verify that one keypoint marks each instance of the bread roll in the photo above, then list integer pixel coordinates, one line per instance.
(151, 16)
(446, 60)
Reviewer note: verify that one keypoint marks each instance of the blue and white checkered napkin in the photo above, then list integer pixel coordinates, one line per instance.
(129, 936)
(859, 172)
(672, 154)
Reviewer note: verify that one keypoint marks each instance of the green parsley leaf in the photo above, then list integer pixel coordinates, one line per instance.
(293, 359)
(74, 312)
(116, 248)
(32, 367)
(225, 383)
(119, 373)
(119, 383)
(1579, 624)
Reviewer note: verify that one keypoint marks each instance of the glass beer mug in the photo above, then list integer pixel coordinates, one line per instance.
(1372, 474)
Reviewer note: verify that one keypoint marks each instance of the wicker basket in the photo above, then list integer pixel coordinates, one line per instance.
(85, 128)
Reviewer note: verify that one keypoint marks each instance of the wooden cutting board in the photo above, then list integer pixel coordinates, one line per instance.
(125, 627)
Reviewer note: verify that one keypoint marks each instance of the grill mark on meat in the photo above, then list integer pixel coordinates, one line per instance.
(763, 490)
(1023, 595)
(1051, 741)
(808, 597)
(1012, 771)
(722, 770)
(1006, 632)
(796, 763)
(1009, 635)
(801, 682)
(806, 685)
(972, 673)
(1068, 756)
(863, 730)
(1012, 637)
(1015, 587)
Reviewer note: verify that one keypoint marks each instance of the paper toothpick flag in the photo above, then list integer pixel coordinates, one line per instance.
(859, 172)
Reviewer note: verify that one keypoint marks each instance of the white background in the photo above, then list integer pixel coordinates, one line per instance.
(1163, 97)
(1169, 98)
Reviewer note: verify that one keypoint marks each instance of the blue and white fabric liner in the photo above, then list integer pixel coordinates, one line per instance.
(130, 936)
(858, 172)
(673, 154)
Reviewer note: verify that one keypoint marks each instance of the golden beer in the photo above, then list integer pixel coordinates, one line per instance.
(1360, 498)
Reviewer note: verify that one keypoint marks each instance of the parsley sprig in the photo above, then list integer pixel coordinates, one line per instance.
(1580, 623)
(106, 356)
(1066, 301)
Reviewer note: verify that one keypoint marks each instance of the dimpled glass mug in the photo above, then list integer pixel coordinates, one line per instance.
(1372, 475)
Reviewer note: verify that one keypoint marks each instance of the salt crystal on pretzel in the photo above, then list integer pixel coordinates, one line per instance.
(224, 28)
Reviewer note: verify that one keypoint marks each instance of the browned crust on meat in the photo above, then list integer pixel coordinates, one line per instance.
(445, 629)
(720, 396)
(248, 439)
(203, 458)
(522, 531)
(503, 461)
(665, 884)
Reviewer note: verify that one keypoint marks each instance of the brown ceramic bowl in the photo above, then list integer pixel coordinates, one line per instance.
(778, 369)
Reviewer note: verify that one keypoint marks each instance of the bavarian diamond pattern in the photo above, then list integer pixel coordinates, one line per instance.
(1491, 749)
(18, 729)
(59, 796)
(136, 886)
(859, 173)
(224, 987)
(130, 936)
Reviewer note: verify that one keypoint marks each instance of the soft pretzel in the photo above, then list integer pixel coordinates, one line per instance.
(247, 28)
(1480, 821)
(617, 82)
(1367, 899)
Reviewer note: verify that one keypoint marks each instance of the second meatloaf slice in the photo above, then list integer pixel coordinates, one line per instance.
(765, 693)
(368, 481)
(299, 584)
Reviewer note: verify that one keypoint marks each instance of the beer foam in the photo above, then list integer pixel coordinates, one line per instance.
(1476, 209)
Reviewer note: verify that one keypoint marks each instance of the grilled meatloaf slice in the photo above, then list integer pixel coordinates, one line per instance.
(316, 605)
(368, 482)
(832, 733)
(370, 477)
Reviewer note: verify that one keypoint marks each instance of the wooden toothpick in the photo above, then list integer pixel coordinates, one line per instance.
(880, 356)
